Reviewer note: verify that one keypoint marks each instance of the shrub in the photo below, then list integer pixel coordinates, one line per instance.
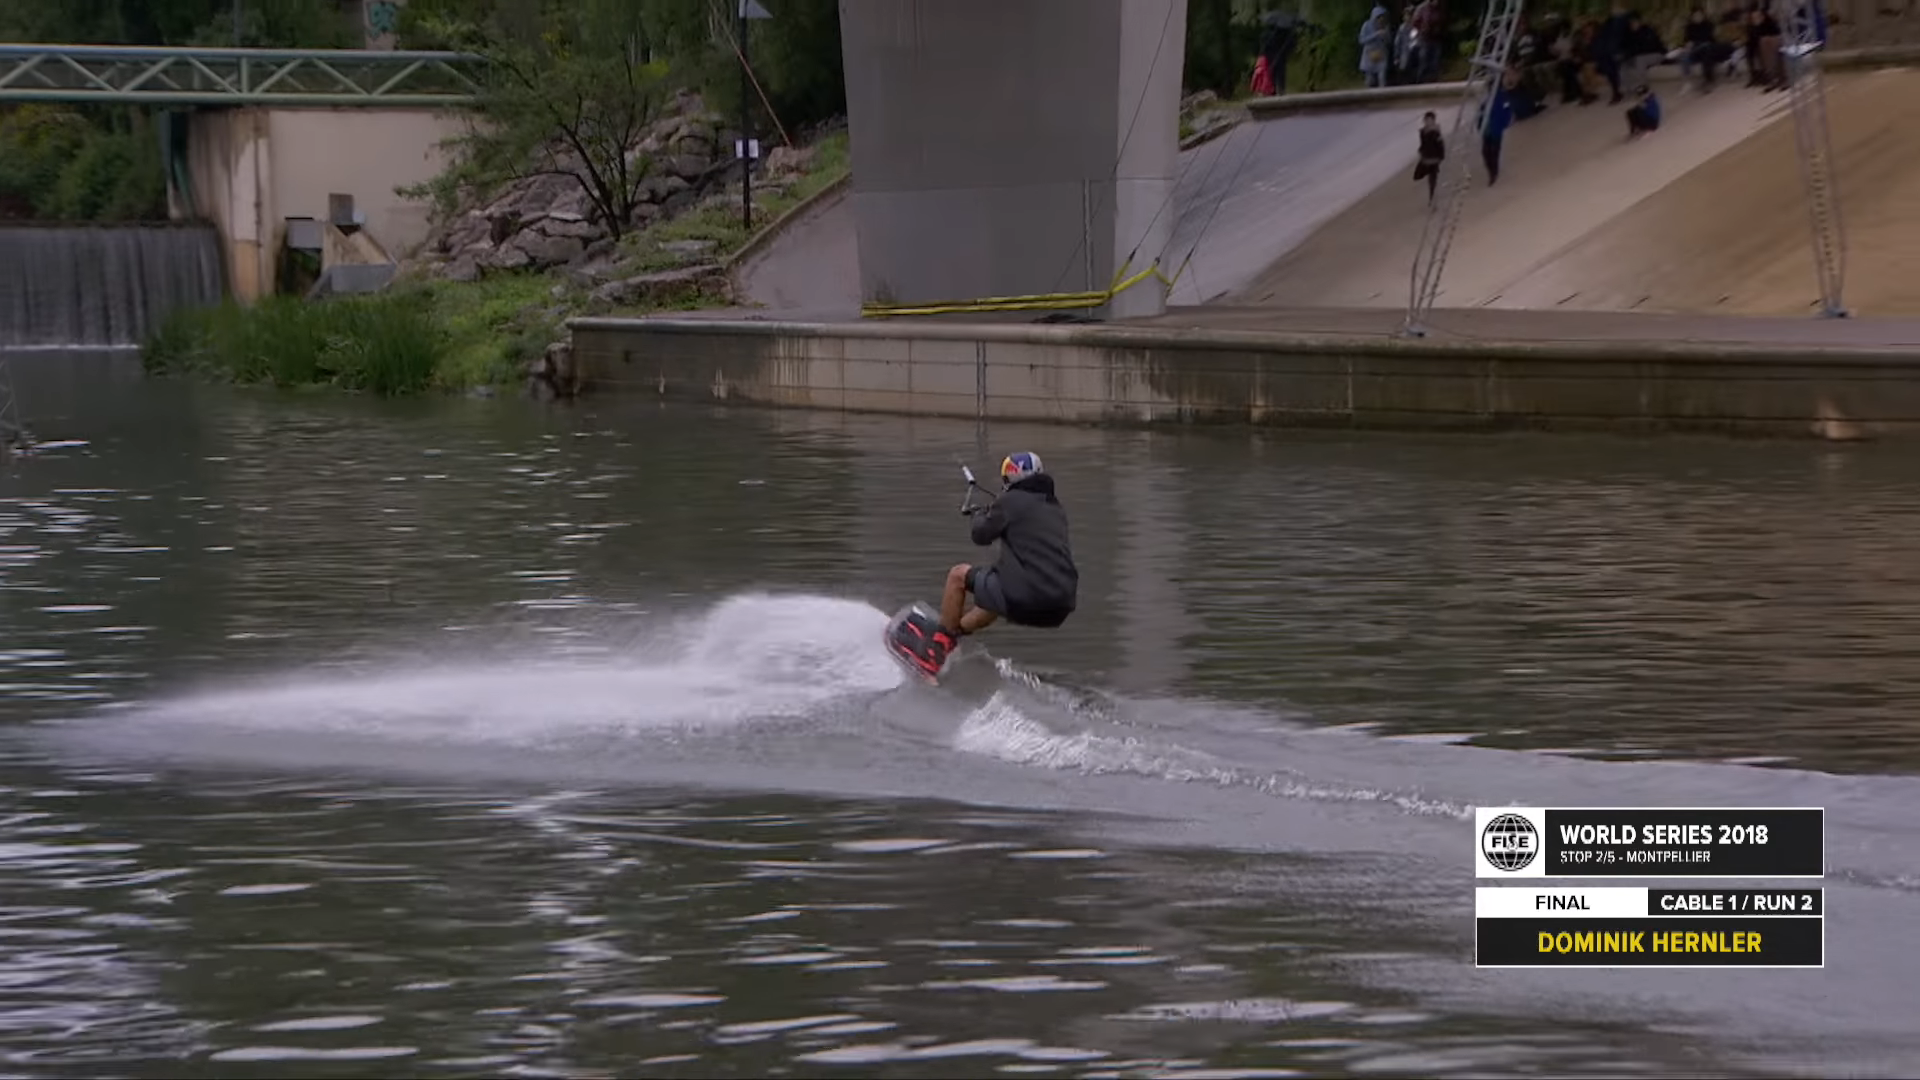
(386, 344)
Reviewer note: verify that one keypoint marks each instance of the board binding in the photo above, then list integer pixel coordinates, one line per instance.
(909, 640)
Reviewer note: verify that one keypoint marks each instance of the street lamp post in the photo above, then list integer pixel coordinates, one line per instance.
(748, 150)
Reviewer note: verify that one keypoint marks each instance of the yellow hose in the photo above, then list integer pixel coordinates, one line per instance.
(1041, 302)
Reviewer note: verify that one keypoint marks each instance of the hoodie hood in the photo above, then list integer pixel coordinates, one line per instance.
(1376, 39)
(1039, 484)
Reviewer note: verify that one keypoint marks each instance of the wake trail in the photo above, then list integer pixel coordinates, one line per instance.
(796, 693)
(750, 658)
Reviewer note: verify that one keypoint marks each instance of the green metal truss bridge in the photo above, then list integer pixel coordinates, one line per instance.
(167, 76)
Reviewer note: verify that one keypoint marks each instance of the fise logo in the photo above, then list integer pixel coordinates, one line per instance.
(1509, 842)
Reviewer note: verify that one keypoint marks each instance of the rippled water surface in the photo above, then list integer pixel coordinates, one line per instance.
(479, 738)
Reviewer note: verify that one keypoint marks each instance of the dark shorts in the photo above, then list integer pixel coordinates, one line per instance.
(984, 583)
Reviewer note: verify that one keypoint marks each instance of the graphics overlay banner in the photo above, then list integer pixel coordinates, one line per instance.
(1703, 842)
(1616, 927)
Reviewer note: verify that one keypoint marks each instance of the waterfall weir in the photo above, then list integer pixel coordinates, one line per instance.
(101, 287)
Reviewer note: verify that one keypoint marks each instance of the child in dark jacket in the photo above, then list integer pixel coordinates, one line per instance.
(1644, 116)
(1433, 150)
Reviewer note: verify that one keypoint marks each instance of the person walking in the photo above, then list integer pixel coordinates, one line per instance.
(1493, 129)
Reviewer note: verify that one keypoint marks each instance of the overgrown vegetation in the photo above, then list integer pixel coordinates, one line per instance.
(386, 344)
(310, 24)
(568, 89)
(573, 87)
(723, 225)
(417, 337)
(426, 335)
(57, 164)
(102, 163)
(796, 54)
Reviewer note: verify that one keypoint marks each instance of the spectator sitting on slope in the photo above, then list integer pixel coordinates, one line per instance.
(1732, 32)
(1609, 47)
(1544, 66)
(1642, 49)
(1763, 50)
(1524, 95)
(1699, 45)
(1530, 92)
(1644, 115)
(1525, 44)
(1577, 74)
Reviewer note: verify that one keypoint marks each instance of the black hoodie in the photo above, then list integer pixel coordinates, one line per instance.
(1036, 568)
(1433, 145)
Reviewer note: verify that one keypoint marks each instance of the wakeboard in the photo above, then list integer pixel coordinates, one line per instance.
(909, 639)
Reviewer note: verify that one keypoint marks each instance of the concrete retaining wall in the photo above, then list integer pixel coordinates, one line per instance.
(1106, 374)
(254, 167)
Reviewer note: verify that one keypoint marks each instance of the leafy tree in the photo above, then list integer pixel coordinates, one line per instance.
(85, 162)
(567, 89)
(36, 143)
(55, 164)
(797, 61)
(115, 176)
(1220, 47)
(310, 24)
(276, 24)
(796, 54)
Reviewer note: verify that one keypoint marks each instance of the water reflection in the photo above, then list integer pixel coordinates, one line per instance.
(520, 603)
(1684, 597)
(560, 931)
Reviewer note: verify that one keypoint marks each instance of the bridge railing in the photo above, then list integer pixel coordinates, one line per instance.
(169, 76)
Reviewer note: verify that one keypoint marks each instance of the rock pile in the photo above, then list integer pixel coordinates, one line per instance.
(547, 221)
(1203, 116)
(552, 374)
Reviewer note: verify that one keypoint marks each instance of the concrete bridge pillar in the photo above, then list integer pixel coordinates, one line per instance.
(228, 181)
(1012, 148)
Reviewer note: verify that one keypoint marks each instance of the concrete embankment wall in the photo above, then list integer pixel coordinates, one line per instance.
(1107, 374)
(252, 168)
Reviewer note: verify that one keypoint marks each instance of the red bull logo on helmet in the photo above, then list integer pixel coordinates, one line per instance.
(1019, 466)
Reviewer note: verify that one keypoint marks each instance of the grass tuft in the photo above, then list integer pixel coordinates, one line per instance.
(379, 344)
